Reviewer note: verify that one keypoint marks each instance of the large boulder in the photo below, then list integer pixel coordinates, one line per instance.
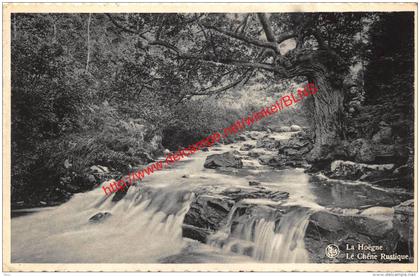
(267, 143)
(297, 147)
(384, 135)
(227, 159)
(353, 171)
(372, 227)
(208, 212)
(366, 151)
(361, 151)
(210, 209)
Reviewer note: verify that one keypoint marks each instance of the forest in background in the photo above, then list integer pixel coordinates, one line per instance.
(117, 89)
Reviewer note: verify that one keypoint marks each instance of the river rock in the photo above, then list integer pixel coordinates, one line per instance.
(254, 183)
(267, 143)
(208, 211)
(282, 129)
(404, 220)
(384, 135)
(256, 153)
(99, 217)
(295, 128)
(255, 193)
(241, 137)
(326, 227)
(195, 233)
(353, 171)
(227, 159)
(210, 208)
(361, 150)
(274, 161)
(294, 150)
(247, 147)
(388, 153)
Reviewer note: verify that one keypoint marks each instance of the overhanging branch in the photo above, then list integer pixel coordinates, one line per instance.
(126, 29)
(243, 38)
(243, 77)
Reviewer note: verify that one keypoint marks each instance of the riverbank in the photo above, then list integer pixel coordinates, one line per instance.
(237, 201)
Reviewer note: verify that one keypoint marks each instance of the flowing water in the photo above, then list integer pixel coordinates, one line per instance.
(146, 225)
(259, 238)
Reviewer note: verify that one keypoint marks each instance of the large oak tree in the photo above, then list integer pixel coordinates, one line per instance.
(207, 54)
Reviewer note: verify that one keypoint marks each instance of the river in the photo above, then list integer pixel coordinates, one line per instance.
(146, 225)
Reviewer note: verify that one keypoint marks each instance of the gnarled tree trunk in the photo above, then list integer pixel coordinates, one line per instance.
(326, 117)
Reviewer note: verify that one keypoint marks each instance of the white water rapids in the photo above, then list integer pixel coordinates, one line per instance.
(146, 225)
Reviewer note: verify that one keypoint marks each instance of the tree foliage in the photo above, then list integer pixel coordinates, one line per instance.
(104, 88)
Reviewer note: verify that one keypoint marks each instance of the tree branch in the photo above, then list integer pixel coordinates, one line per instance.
(164, 44)
(126, 29)
(208, 39)
(266, 26)
(243, 38)
(286, 36)
(244, 76)
(269, 31)
(256, 65)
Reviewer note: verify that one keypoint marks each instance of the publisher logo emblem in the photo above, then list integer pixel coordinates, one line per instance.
(332, 251)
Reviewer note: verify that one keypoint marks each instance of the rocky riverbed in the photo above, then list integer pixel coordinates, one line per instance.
(251, 199)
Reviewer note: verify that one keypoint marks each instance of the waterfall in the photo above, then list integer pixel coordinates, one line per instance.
(266, 239)
(144, 226)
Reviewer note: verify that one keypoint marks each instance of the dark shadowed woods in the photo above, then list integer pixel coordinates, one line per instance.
(117, 89)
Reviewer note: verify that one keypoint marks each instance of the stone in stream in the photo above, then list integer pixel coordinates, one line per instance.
(295, 128)
(297, 146)
(373, 226)
(209, 210)
(274, 161)
(247, 147)
(255, 135)
(241, 137)
(99, 217)
(353, 171)
(282, 129)
(195, 233)
(267, 143)
(361, 150)
(256, 153)
(206, 214)
(227, 159)
(254, 183)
